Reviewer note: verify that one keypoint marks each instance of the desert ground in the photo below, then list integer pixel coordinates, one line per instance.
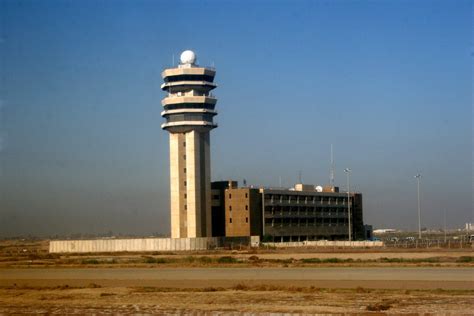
(255, 281)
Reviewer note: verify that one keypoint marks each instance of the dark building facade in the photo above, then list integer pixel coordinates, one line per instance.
(218, 189)
(310, 215)
(282, 215)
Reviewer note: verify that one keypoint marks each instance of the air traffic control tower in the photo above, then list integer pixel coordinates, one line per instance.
(189, 112)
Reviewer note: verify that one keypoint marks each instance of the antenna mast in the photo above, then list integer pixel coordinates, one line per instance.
(331, 172)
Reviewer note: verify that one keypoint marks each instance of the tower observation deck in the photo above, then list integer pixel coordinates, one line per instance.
(189, 109)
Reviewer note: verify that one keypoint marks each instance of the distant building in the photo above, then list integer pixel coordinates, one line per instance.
(298, 214)
(384, 231)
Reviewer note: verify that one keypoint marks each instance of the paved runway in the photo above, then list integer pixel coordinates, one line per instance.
(462, 278)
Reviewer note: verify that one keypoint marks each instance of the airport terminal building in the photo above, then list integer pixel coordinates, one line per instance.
(283, 215)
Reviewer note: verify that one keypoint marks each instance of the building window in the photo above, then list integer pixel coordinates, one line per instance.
(215, 197)
(246, 207)
(230, 207)
(184, 144)
(184, 157)
(185, 196)
(185, 207)
(230, 196)
(184, 170)
(246, 219)
(230, 220)
(246, 195)
(185, 183)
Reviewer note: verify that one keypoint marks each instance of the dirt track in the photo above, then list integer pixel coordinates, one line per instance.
(393, 278)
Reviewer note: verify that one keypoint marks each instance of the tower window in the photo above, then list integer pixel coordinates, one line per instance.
(230, 196)
(184, 144)
(246, 207)
(185, 196)
(246, 195)
(185, 183)
(246, 219)
(184, 170)
(230, 220)
(185, 207)
(184, 157)
(230, 207)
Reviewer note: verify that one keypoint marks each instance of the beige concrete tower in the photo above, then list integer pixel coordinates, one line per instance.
(189, 112)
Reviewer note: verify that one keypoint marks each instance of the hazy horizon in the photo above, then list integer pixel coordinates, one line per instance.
(389, 84)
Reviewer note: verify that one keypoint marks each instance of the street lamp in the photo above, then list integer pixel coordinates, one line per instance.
(418, 178)
(348, 171)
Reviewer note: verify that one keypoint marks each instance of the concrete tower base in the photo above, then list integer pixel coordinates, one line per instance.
(190, 177)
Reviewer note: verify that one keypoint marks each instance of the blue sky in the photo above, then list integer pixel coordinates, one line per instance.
(388, 83)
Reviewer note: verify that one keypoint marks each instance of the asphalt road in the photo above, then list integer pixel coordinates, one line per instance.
(449, 278)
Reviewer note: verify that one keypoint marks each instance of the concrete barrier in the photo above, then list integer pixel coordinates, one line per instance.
(149, 244)
(326, 243)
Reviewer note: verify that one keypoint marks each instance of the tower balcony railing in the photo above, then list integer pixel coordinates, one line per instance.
(190, 124)
(193, 94)
(195, 66)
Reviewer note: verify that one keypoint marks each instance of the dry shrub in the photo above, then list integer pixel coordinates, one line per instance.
(253, 258)
(360, 289)
(381, 306)
(295, 289)
(93, 286)
(240, 287)
(213, 289)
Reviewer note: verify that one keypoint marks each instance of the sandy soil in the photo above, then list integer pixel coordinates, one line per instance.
(219, 301)
(451, 295)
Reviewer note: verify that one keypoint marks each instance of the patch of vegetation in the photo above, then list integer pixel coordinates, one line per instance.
(155, 260)
(332, 260)
(205, 260)
(464, 259)
(311, 260)
(402, 260)
(227, 259)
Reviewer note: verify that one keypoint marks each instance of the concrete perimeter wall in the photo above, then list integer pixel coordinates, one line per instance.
(148, 244)
(326, 243)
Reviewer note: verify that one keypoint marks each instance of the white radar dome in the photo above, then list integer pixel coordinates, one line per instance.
(188, 57)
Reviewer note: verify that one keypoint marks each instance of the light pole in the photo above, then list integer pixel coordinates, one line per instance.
(444, 225)
(418, 178)
(348, 171)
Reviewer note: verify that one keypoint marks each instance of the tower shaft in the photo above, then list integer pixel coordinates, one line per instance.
(190, 179)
